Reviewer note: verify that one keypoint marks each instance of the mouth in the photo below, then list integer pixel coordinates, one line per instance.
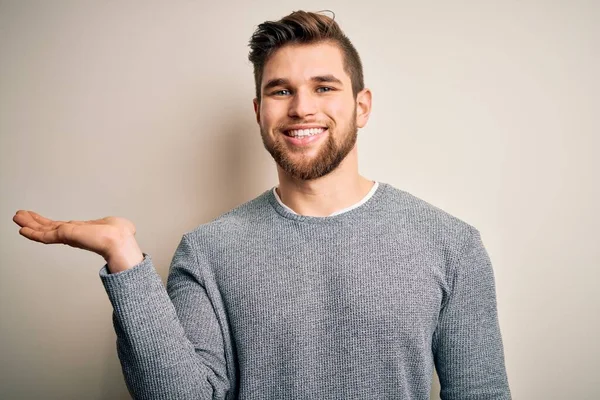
(302, 133)
(303, 137)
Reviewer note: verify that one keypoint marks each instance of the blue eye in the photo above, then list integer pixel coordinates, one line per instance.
(325, 89)
(280, 92)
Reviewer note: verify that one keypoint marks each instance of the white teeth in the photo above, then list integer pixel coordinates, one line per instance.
(305, 132)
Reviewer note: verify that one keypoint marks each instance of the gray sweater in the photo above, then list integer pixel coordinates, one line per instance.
(262, 303)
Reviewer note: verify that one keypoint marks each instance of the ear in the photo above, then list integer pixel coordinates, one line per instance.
(256, 110)
(363, 107)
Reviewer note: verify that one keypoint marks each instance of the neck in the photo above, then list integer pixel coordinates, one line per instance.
(321, 197)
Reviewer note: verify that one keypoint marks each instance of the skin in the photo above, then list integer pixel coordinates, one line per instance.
(321, 178)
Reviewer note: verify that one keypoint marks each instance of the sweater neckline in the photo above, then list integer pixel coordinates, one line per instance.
(347, 215)
(357, 204)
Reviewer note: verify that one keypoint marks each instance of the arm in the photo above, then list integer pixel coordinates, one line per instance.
(467, 344)
(169, 341)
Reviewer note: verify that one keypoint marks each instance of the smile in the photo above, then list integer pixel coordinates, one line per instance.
(300, 133)
(304, 137)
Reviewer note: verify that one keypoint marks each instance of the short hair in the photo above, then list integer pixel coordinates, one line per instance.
(302, 27)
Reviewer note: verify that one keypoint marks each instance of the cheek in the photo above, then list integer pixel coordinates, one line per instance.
(340, 110)
(270, 114)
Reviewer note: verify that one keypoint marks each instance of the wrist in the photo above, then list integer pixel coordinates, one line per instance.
(123, 256)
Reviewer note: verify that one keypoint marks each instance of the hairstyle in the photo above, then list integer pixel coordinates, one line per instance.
(301, 27)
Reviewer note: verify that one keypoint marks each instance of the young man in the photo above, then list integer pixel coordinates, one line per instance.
(328, 286)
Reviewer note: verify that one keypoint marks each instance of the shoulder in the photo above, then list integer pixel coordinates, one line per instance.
(235, 222)
(425, 220)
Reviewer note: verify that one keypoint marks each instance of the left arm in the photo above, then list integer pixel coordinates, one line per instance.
(467, 344)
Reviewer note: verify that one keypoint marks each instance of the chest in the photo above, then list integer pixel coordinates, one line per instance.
(308, 289)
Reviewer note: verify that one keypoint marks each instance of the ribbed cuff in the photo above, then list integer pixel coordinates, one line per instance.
(127, 288)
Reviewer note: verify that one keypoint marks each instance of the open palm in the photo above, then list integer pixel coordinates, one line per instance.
(97, 235)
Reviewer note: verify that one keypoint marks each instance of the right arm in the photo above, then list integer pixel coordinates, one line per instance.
(169, 343)
(169, 340)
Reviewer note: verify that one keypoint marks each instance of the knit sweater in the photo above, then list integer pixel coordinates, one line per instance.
(263, 303)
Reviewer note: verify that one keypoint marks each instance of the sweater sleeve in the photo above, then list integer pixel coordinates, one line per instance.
(168, 340)
(467, 344)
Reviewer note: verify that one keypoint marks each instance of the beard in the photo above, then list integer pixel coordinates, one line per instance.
(328, 158)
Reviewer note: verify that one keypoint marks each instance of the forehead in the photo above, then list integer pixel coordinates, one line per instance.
(300, 62)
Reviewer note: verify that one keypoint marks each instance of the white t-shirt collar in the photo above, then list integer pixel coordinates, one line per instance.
(364, 200)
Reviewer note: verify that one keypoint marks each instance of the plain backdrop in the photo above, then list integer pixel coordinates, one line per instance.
(487, 110)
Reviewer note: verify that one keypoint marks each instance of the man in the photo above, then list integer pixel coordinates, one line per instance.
(328, 286)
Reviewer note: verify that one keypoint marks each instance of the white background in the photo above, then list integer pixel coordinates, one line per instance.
(488, 110)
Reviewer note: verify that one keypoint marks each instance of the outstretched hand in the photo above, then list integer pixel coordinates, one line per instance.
(101, 236)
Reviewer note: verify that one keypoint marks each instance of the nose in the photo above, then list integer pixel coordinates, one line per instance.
(302, 105)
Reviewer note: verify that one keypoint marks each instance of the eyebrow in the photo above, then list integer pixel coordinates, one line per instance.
(282, 82)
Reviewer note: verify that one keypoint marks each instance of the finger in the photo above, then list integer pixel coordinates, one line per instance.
(32, 220)
(38, 218)
(45, 221)
(49, 224)
(25, 219)
(47, 237)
